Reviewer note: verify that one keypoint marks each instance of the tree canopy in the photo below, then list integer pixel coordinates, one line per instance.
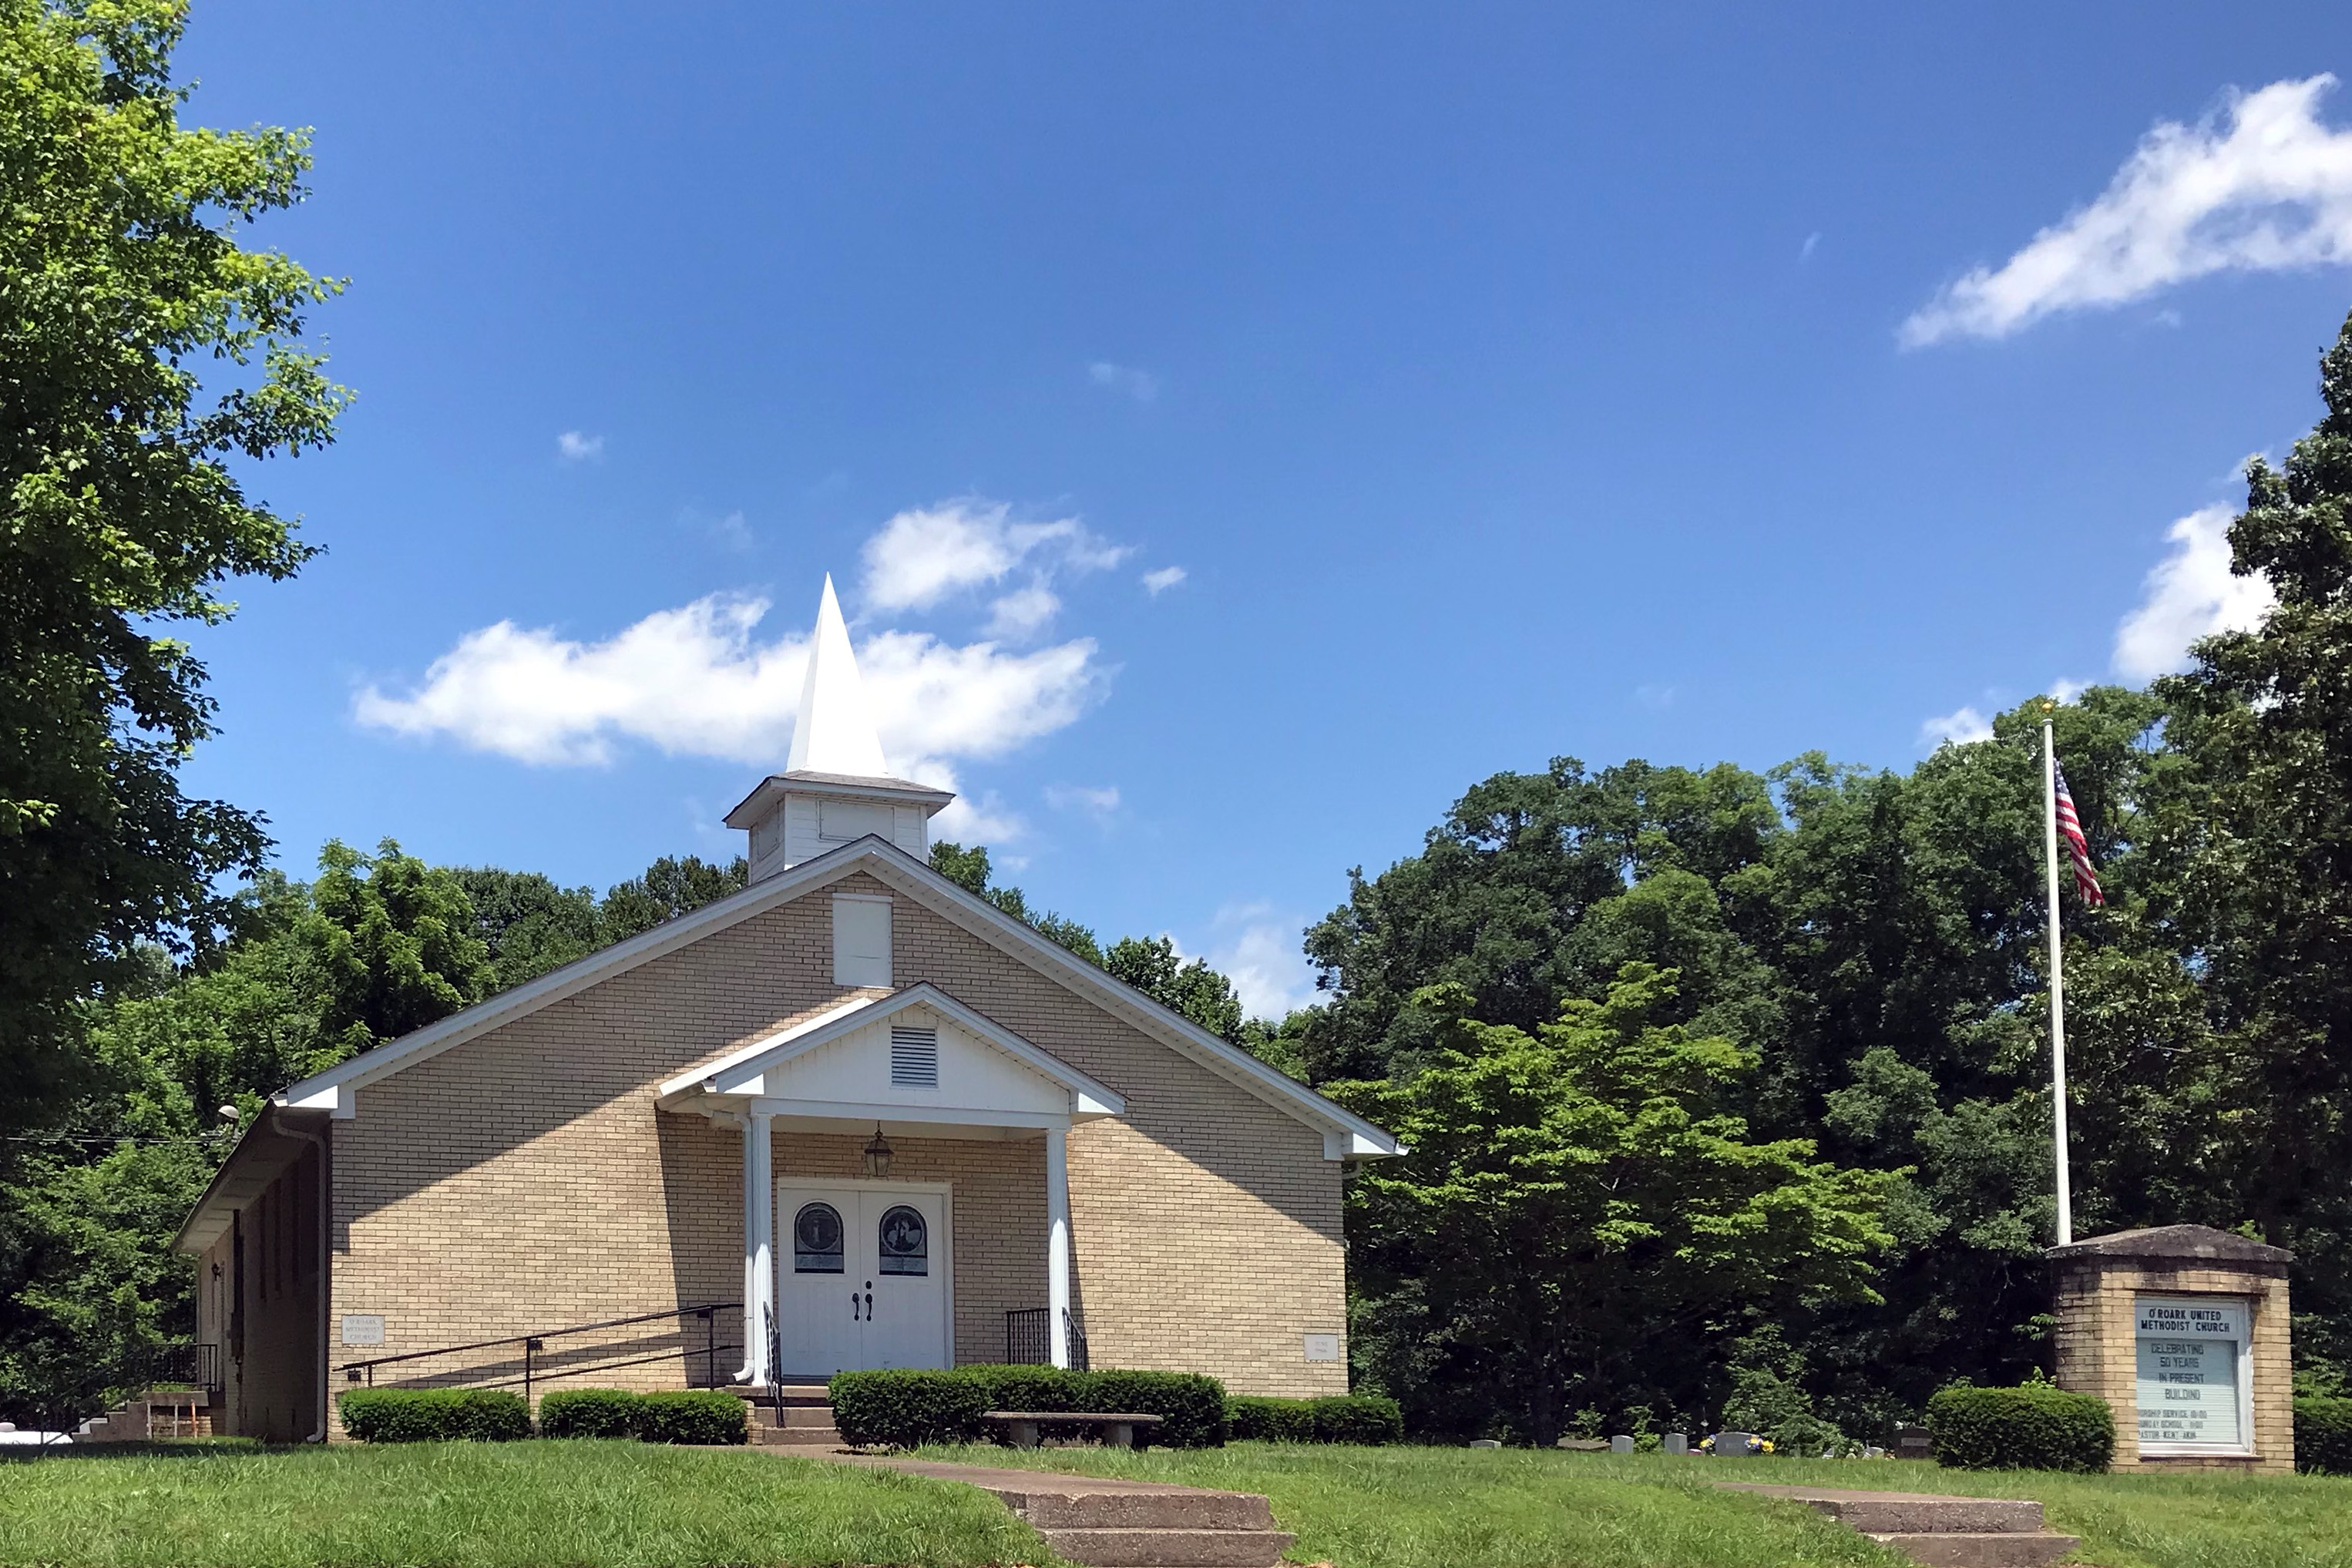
(145, 356)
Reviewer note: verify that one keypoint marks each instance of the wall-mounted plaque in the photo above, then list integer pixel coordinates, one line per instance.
(2194, 1395)
(1322, 1347)
(364, 1328)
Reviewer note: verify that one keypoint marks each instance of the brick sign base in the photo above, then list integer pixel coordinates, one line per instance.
(2182, 1330)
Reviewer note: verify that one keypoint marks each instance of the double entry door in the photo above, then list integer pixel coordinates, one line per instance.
(862, 1277)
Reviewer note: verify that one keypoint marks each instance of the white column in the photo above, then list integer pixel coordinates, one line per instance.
(759, 1246)
(751, 1292)
(1058, 1244)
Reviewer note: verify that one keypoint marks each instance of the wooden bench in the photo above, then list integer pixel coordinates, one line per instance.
(1116, 1427)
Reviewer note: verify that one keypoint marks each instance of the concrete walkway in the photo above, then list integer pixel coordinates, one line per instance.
(1109, 1523)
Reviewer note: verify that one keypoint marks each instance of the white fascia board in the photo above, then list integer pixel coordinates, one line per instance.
(743, 1072)
(1284, 1093)
(906, 1115)
(557, 985)
(723, 1076)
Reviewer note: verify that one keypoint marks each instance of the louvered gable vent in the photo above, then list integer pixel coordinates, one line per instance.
(914, 1057)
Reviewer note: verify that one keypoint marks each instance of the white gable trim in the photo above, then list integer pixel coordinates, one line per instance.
(734, 1075)
(1348, 1135)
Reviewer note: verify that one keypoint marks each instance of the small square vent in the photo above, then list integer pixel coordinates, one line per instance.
(914, 1057)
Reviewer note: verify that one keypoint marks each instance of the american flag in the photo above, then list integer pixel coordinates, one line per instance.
(2069, 828)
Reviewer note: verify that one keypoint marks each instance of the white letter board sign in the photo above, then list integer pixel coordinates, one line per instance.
(2193, 1392)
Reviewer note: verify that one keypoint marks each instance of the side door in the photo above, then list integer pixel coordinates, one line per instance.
(905, 1246)
(820, 1313)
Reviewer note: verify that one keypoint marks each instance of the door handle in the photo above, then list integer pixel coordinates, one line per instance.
(870, 1306)
(853, 1306)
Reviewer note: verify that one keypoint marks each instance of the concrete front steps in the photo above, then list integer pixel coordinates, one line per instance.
(159, 1413)
(1105, 1523)
(1940, 1531)
(794, 1415)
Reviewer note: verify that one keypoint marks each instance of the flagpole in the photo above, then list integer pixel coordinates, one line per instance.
(2057, 982)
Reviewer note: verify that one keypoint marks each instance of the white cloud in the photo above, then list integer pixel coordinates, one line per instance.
(732, 532)
(695, 681)
(2065, 689)
(1140, 385)
(2260, 186)
(927, 553)
(574, 447)
(1655, 697)
(1098, 802)
(1024, 613)
(1162, 578)
(1813, 243)
(1262, 955)
(2191, 594)
(1961, 727)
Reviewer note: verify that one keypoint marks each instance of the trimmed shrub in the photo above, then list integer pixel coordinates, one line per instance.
(589, 1413)
(2036, 1427)
(1192, 1406)
(434, 1415)
(1033, 1388)
(707, 1416)
(1367, 1418)
(1358, 1419)
(904, 1409)
(2322, 1435)
(1256, 1417)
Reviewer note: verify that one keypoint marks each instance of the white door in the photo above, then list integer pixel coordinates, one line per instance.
(861, 1279)
(820, 1316)
(905, 1316)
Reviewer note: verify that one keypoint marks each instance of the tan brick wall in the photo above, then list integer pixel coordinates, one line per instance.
(523, 1180)
(2097, 1352)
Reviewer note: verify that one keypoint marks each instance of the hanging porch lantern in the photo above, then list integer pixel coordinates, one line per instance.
(877, 1155)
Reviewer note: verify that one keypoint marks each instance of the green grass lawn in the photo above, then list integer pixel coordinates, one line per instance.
(487, 1505)
(1462, 1507)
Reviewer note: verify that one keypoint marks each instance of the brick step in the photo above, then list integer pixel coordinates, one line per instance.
(1162, 1548)
(1979, 1549)
(825, 1436)
(793, 1416)
(1143, 1511)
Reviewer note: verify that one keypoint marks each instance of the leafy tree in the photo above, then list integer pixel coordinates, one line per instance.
(395, 944)
(1580, 1208)
(528, 924)
(1152, 966)
(668, 888)
(124, 513)
(2252, 853)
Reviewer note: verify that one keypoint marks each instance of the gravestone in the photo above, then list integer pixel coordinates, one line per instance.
(1620, 1444)
(2182, 1330)
(1913, 1443)
(1737, 1445)
(1486, 1443)
(1677, 1443)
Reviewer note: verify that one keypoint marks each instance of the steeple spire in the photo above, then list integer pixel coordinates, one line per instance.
(835, 733)
(836, 789)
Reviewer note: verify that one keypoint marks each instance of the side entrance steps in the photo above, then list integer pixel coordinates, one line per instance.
(1941, 1532)
(793, 1415)
(1105, 1523)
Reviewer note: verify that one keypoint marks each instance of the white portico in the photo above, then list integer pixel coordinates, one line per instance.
(841, 1274)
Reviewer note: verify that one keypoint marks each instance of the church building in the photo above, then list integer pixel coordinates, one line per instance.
(850, 1116)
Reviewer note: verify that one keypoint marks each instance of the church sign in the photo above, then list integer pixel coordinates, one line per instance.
(2194, 1393)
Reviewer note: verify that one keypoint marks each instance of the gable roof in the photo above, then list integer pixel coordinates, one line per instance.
(1345, 1134)
(732, 1073)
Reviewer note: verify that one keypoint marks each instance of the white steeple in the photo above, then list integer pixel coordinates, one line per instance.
(835, 730)
(836, 788)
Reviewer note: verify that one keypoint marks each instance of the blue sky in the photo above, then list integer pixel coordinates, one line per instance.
(1234, 429)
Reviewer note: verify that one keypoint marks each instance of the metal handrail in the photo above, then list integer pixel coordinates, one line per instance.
(533, 1343)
